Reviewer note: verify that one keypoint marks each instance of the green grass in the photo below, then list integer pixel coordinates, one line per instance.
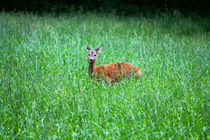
(44, 85)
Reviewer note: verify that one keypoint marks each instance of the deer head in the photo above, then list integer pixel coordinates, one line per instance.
(92, 54)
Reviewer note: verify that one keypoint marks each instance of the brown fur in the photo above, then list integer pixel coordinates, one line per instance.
(111, 72)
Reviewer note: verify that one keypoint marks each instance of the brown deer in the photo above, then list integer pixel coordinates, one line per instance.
(110, 72)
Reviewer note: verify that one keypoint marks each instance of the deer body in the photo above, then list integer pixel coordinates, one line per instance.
(110, 72)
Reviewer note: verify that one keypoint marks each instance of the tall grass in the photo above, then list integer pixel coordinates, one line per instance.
(45, 91)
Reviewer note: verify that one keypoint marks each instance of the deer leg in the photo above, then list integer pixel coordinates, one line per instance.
(109, 80)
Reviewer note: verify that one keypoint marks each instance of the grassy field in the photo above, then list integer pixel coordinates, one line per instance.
(44, 85)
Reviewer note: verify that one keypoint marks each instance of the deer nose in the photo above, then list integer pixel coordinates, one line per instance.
(91, 60)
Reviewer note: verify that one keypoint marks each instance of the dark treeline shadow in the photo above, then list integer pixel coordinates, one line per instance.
(120, 7)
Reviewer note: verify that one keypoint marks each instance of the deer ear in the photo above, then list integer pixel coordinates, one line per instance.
(98, 49)
(88, 48)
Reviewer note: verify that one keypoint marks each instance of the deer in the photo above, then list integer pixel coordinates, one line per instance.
(110, 73)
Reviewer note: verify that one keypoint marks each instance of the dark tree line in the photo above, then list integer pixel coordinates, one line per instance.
(200, 7)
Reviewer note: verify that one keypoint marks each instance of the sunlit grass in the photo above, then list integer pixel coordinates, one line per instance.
(44, 85)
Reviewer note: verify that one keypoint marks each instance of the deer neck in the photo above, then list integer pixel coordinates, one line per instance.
(91, 69)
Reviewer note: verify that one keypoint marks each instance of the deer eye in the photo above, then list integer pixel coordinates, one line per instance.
(88, 54)
(94, 55)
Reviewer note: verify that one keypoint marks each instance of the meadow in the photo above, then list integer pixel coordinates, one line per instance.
(44, 84)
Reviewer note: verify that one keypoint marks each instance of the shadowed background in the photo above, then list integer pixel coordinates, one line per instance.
(123, 7)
